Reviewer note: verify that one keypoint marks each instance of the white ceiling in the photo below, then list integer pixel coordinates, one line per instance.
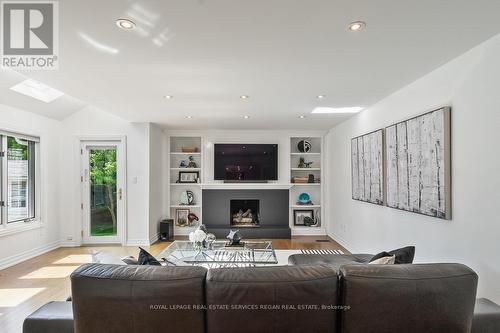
(282, 53)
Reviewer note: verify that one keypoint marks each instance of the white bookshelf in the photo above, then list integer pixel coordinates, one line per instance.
(314, 190)
(176, 156)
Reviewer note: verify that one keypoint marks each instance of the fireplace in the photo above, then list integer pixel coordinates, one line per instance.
(244, 213)
(273, 212)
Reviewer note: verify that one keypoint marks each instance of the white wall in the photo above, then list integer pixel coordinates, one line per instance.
(25, 244)
(157, 204)
(93, 122)
(470, 85)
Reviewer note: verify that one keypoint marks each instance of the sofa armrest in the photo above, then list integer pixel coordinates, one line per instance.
(53, 317)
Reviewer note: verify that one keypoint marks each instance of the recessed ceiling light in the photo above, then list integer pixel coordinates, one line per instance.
(37, 90)
(320, 96)
(353, 109)
(125, 24)
(244, 96)
(246, 117)
(189, 117)
(356, 26)
(168, 96)
(302, 116)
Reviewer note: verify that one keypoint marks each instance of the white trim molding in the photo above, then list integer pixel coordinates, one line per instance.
(29, 254)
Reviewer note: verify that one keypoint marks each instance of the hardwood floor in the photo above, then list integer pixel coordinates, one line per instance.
(27, 286)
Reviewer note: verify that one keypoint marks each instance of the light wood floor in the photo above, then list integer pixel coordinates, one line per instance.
(27, 286)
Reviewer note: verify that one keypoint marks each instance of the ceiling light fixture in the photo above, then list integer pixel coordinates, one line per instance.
(356, 26)
(168, 96)
(189, 117)
(37, 90)
(125, 24)
(320, 96)
(302, 116)
(244, 96)
(246, 117)
(353, 109)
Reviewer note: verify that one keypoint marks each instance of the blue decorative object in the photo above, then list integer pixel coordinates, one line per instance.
(304, 199)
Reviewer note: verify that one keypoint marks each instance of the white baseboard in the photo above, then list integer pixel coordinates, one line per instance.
(137, 242)
(154, 238)
(343, 242)
(308, 231)
(23, 256)
(67, 243)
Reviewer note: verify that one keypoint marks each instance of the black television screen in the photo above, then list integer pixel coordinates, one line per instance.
(245, 162)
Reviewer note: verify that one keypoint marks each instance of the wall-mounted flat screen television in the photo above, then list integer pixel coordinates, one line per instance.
(246, 162)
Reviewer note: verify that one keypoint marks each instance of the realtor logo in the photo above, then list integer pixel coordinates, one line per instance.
(29, 35)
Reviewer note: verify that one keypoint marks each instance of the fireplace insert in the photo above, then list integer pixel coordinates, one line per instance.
(244, 213)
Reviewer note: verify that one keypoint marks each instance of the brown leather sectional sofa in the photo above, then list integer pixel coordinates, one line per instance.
(356, 298)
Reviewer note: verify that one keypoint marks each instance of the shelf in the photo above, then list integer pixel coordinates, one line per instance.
(305, 206)
(185, 206)
(185, 184)
(305, 184)
(305, 154)
(305, 169)
(187, 169)
(244, 186)
(182, 153)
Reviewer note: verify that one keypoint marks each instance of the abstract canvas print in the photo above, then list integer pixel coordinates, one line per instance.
(418, 164)
(367, 169)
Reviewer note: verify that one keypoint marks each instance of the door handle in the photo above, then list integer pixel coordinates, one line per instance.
(120, 194)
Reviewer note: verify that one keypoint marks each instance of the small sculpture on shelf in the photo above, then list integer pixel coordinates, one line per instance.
(187, 198)
(304, 146)
(192, 217)
(192, 163)
(303, 163)
(310, 178)
(308, 221)
(183, 164)
(234, 237)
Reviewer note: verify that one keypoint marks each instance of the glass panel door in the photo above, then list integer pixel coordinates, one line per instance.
(103, 191)
(103, 196)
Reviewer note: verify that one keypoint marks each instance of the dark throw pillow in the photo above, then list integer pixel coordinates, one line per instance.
(404, 255)
(380, 255)
(145, 258)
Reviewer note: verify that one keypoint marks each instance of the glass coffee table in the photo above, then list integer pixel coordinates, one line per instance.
(250, 254)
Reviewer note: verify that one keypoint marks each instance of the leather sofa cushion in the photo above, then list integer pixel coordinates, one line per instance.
(53, 317)
(431, 298)
(334, 261)
(486, 317)
(113, 298)
(272, 299)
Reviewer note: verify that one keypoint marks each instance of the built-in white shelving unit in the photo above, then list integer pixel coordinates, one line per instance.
(314, 190)
(176, 188)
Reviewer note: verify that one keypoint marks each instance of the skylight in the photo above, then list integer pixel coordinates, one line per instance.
(37, 90)
(352, 109)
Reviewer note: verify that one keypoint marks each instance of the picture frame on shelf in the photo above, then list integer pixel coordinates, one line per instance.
(300, 217)
(181, 217)
(188, 177)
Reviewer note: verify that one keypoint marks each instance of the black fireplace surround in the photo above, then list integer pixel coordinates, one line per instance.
(270, 206)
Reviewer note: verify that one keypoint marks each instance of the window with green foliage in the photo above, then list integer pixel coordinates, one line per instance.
(17, 179)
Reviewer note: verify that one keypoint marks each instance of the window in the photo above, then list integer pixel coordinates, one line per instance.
(18, 186)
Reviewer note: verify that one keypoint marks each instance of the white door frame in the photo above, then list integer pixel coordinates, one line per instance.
(121, 174)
